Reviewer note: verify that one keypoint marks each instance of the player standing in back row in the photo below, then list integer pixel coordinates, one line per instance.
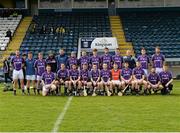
(158, 60)
(144, 60)
(17, 63)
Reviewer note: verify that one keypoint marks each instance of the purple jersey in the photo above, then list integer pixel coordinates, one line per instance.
(105, 75)
(138, 72)
(84, 75)
(40, 67)
(74, 74)
(17, 63)
(72, 61)
(95, 60)
(126, 73)
(48, 77)
(107, 58)
(95, 74)
(118, 60)
(63, 74)
(165, 77)
(84, 60)
(144, 60)
(158, 60)
(153, 78)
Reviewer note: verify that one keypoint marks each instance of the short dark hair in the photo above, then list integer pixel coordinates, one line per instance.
(106, 48)
(95, 50)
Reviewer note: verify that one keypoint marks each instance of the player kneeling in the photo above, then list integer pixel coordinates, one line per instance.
(126, 78)
(48, 81)
(105, 80)
(166, 80)
(95, 78)
(115, 80)
(138, 79)
(84, 83)
(74, 76)
(62, 79)
(154, 81)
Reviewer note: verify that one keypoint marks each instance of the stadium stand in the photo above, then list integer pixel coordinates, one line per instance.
(5, 24)
(75, 24)
(151, 29)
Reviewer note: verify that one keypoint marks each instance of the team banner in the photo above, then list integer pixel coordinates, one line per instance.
(99, 43)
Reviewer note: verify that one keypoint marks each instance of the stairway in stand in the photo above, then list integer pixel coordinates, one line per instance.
(17, 38)
(118, 32)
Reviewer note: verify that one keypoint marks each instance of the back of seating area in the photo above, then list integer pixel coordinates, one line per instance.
(5, 24)
(75, 25)
(151, 29)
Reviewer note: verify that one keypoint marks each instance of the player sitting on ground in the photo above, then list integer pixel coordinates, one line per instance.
(62, 78)
(115, 79)
(95, 78)
(138, 79)
(74, 76)
(126, 77)
(84, 81)
(17, 63)
(48, 81)
(40, 67)
(105, 79)
(154, 81)
(166, 80)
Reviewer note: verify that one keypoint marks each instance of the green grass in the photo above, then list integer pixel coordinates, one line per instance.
(128, 113)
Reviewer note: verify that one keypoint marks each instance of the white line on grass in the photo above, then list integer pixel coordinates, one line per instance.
(61, 116)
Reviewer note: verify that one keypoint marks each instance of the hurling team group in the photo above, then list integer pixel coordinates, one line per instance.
(93, 75)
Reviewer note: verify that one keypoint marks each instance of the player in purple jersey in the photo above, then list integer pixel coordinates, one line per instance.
(62, 78)
(107, 58)
(18, 63)
(84, 80)
(95, 79)
(40, 68)
(166, 80)
(48, 81)
(74, 76)
(158, 60)
(72, 60)
(154, 81)
(138, 79)
(144, 60)
(95, 59)
(105, 79)
(117, 58)
(84, 59)
(126, 76)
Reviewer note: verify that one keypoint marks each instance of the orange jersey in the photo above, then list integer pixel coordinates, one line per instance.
(115, 74)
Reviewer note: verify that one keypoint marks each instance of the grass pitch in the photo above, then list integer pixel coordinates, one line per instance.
(96, 114)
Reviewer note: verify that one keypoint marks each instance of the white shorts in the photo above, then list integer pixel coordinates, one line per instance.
(158, 70)
(30, 77)
(46, 88)
(39, 78)
(116, 82)
(145, 72)
(18, 74)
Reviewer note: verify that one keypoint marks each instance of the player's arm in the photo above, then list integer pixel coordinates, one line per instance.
(170, 81)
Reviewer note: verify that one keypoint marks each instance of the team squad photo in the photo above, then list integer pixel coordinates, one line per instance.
(104, 75)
